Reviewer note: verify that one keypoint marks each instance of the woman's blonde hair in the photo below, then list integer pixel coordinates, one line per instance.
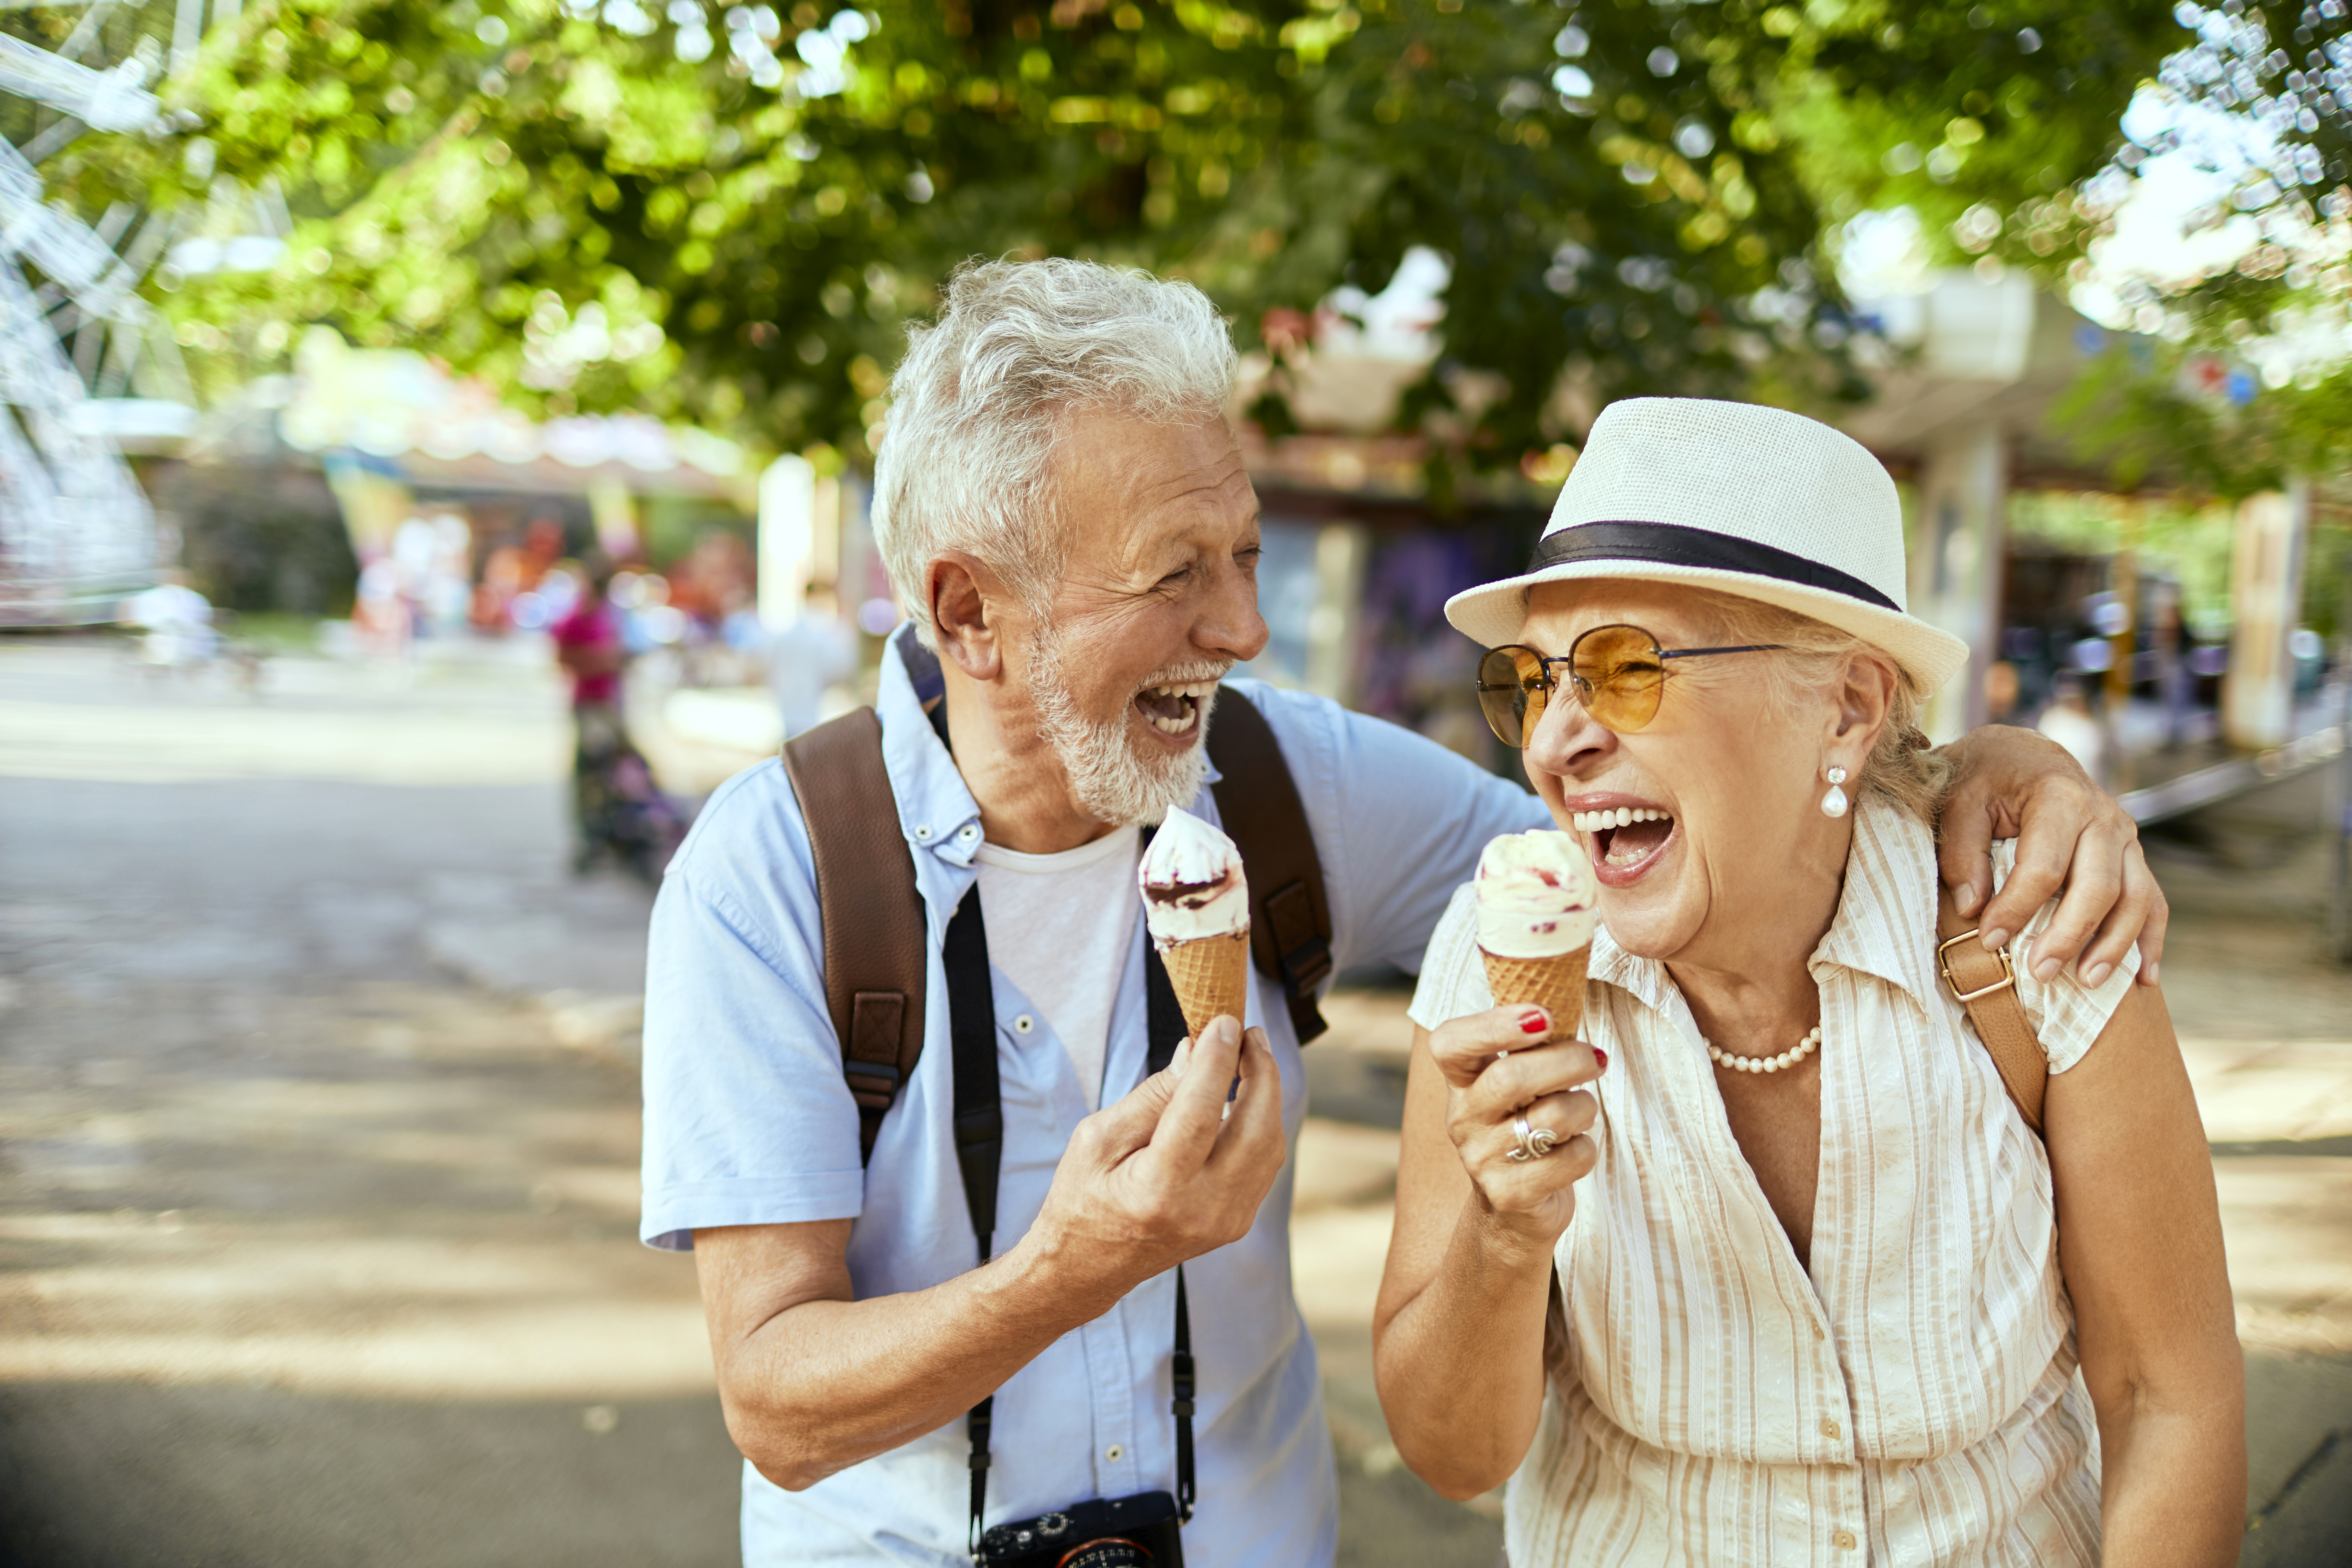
(1900, 766)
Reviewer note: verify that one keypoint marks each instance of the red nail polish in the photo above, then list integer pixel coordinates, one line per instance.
(1601, 1057)
(1534, 1024)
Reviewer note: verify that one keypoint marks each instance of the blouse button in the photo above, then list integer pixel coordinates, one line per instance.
(1114, 1453)
(1844, 1541)
(1831, 1429)
(1024, 1024)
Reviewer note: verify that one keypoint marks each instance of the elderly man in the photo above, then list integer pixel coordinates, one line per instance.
(1064, 511)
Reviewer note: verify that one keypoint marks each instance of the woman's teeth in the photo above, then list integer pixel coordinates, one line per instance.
(1624, 816)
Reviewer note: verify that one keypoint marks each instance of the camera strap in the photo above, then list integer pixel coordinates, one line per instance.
(979, 1152)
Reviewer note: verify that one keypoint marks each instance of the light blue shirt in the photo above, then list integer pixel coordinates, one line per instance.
(748, 1122)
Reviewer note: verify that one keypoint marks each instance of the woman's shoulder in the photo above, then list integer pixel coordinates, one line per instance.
(1452, 979)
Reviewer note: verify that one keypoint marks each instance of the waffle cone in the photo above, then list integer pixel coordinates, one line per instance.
(1210, 975)
(1555, 985)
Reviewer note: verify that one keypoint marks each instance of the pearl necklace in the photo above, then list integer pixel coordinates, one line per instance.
(1787, 1059)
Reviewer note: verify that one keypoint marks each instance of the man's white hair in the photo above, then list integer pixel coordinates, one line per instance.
(979, 401)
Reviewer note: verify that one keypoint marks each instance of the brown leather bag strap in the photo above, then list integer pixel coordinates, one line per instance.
(1290, 918)
(876, 940)
(1985, 984)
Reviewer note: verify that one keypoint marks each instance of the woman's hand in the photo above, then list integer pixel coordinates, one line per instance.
(1488, 1092)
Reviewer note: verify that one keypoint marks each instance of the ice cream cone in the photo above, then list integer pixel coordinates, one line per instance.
(1556, 985)
(1210, 975)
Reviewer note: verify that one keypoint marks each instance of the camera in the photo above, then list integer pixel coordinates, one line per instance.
(1138, 1532)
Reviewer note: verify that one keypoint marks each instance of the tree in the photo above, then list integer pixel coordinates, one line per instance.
(730, 218)
(2248, 380)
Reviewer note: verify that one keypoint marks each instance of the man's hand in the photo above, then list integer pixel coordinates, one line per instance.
(814, 1379)
(2009, 783)
(1166, 1174)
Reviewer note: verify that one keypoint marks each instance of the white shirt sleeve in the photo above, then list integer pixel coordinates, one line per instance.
(1453, 978)
(1399, 821)
(2066, 1015)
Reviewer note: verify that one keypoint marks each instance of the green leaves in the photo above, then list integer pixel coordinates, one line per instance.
(1631, 196)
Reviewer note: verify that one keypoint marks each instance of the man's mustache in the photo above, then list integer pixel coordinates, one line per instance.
(1184, 675)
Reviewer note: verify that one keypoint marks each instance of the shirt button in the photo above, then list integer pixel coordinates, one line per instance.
(1023, 1024)
(924, 833)
(1114, 1453)
(1831, 1429)
(1817, 1332)
(967, 833)
(1844, 1541)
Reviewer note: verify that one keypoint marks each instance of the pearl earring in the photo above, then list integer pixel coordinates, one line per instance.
(1834, 802)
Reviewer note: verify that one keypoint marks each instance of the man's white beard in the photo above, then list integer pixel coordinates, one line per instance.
(1114, 779)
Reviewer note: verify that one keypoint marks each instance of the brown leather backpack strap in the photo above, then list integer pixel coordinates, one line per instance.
(1290, 918)
(1985, 984)
(876, 938)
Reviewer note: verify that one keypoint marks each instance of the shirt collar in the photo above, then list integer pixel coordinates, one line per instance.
(1890, 885)
(936, 808)
(1890, 892)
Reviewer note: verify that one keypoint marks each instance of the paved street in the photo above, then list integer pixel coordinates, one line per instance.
(318, 1138)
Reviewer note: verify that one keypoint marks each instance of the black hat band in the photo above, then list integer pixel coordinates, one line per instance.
(1672, 545)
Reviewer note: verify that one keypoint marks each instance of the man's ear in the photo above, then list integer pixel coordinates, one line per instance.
(968, 605)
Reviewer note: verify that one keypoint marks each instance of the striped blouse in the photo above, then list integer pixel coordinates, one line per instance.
(1912, 1398)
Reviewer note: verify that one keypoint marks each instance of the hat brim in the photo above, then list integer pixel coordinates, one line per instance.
(1495, 614)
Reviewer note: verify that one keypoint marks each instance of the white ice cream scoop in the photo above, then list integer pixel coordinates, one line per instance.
(1536, 893)
(1192, 882)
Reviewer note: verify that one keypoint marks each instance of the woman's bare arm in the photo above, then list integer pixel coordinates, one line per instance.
(2139, 1236)
(1457, 1335)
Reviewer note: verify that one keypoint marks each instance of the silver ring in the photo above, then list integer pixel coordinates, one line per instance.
(1535, 1143)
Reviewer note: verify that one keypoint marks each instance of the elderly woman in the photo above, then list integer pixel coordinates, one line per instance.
(1769, 1266)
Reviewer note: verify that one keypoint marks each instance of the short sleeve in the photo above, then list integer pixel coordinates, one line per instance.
(748, 1119)
(1399, 821)
(1452, 979)
(2067, 1016)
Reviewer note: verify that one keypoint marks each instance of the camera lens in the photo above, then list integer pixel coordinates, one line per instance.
(1111, 1552)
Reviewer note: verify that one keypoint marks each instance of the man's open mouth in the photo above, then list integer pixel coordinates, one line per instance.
(1625, 837)
(1174, 709)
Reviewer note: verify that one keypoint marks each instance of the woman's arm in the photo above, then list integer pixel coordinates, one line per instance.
(2140, 1238)
(1457, 1336)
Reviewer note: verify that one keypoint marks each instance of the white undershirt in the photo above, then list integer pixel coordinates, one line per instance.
(1058, 928)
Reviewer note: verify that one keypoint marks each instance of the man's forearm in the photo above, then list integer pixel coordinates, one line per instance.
(827, 1384)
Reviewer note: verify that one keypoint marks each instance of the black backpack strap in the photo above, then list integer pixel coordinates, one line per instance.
(876, 943)
(1290, 918)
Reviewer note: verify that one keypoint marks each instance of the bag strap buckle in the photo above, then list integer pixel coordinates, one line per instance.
(2008, 980)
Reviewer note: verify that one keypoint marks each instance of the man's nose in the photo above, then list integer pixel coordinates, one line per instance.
(1230, 626)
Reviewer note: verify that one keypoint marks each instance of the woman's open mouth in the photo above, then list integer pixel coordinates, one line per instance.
(1175, 710)
(1626, 842)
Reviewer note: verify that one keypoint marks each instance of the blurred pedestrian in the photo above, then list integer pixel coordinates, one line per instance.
(2070, 721)
(808, 657)
(588, 647)
(177, 622)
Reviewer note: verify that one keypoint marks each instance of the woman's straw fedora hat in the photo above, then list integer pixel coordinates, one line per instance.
(1752, 501)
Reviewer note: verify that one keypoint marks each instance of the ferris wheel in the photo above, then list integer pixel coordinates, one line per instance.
(83, 358)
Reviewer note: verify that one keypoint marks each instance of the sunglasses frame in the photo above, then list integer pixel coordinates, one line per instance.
(1544, 662)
